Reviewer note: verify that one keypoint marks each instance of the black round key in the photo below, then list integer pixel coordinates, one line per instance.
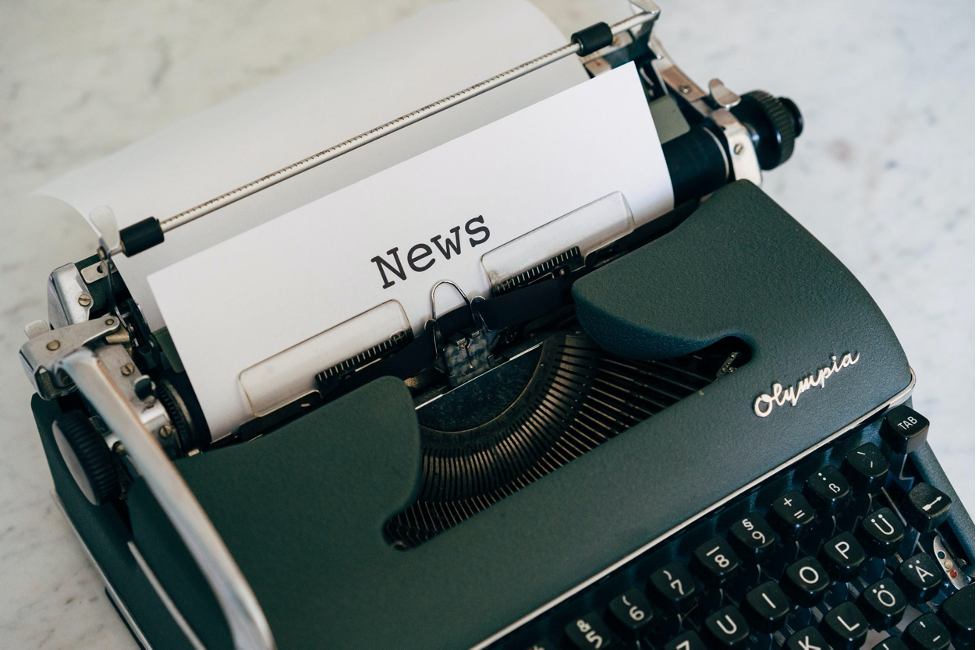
(751, 537)
(726, 629)
(866, 468)
(806, 639)
(919, 577)
(542, 644)
(792, 515)
(672, 587)
(842, 556)
(926, 633)
(588, 633)
(925, 507)
(890, 643)
(685, 641)
(827, 490)
(881, 533)
(715, 561)
(766, 607)
(844, 627)
(805, 582)
(904, 430)
(883, 604)
(957, 612)
(631, 614)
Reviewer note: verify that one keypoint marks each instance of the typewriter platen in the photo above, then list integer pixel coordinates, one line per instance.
(651, 444)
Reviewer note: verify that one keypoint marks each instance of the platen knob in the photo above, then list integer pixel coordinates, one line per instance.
(776, 123)
(87, 456)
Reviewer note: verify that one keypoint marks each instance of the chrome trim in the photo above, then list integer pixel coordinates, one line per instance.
(109, 589)
(895, 400)
(245, 618)
(165, 598)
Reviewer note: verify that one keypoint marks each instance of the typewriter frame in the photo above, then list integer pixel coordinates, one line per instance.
(88, 356)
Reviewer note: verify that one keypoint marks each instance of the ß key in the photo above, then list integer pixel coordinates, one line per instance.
(881, 532)
(827, 490)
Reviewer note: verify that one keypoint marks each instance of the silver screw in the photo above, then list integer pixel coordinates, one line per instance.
(110, 322)
(119, 448)
(53, 345)
(738, 149)
(685, 89)
(166, 431)
(85, 300)
(127, 370)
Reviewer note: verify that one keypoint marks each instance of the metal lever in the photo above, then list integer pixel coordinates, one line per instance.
(248, 625)
(149, 232)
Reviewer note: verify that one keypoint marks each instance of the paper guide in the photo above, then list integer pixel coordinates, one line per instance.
(393, 235)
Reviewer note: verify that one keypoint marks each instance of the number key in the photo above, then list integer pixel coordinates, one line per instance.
(751, 536)
(685, 641)
(672, 587)
(631, 614)
(715, 561)
(588, 633)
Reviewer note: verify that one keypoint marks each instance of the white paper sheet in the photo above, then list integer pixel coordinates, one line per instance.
(285, 281)
(431, 54)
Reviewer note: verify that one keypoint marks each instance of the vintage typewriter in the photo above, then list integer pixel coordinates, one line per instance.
(699, 436)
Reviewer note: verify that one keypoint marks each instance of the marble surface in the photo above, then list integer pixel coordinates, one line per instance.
(883, 175)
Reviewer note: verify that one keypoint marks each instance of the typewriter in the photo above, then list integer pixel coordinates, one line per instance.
(698, 437)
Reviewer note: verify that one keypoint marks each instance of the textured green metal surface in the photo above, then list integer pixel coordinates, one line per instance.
(302, 509)
(105, 534)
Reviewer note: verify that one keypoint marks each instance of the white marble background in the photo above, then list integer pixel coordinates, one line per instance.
(883, 175)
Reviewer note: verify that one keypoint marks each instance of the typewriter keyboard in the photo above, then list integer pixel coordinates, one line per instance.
(848, 548)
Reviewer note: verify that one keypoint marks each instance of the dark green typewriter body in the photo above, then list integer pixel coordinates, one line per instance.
(714, 448)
